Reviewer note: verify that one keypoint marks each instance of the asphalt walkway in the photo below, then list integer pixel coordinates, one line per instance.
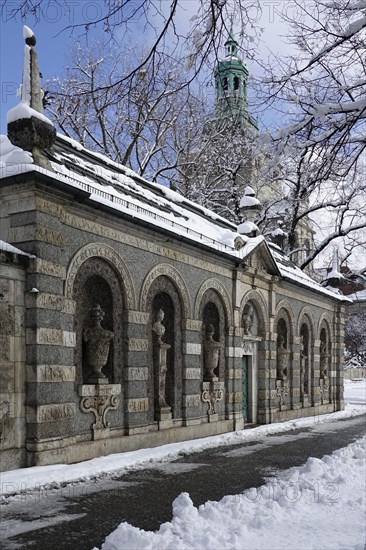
(79, 517)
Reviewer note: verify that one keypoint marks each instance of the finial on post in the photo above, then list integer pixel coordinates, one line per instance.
(28, 127)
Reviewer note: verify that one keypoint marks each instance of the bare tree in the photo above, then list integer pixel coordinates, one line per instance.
(160, 21)
(133, 128)
(322, 92)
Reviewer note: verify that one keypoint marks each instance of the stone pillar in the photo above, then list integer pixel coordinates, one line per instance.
(192, 353)
(161, 407)
(282, 383)
(162, 410)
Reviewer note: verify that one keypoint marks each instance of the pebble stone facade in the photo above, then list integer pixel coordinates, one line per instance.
(51, 415)
(117, 333)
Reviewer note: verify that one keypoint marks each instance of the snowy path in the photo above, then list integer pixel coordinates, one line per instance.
(37, 514)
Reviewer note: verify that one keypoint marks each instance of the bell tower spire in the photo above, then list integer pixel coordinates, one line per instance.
(231, 82)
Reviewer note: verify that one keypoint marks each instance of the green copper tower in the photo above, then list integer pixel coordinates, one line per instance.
(231, 82)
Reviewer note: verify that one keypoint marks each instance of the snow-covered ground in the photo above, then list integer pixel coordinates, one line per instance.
(320, 505)
(38, 477)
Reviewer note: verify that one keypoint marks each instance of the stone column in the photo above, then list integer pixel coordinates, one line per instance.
(282, 384)
(160, 349)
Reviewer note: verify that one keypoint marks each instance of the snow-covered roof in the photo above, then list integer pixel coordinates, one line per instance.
(119, 188)
(291, 272)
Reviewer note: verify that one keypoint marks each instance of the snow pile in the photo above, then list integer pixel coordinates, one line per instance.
(319, 505)
(13, 160)
(39, 477)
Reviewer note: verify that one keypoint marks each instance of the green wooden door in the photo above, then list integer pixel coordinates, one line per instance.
(245, 387)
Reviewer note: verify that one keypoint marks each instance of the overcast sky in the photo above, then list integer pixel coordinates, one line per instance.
(54, 40)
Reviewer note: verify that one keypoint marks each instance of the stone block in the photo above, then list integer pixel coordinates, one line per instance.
(137, 405)
(6, 348)
(47, 267)
(136, 317)
(136, 373)
(7, 382)
(235, 397)
(137, 344)
(50, 373)
(5, 293)
(193, 324)
(234, 352)
(192, 349)
(92, 390)
(6, 319)
(235, 374)
(191, 400)
(192, 374)
(54, 412)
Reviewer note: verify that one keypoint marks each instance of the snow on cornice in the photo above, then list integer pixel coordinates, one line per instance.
(6, 247)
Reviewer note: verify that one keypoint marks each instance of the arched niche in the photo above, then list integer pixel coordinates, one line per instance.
(212, 312)
(169, 272)
(111, 257)
(97, 283)
(305, 359)
(164, 295)
(256, 301)
(217, 288)
(284, 329)
(325, 351)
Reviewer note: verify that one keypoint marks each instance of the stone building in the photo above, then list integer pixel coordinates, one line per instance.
(131, 317)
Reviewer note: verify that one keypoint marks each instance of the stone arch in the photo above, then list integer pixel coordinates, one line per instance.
(163, 295)
(306, 315)
(325, 321)
(261, 307)
(221, 291)
(107, 253)
(173, 274)
(283, 307)
(98, 283)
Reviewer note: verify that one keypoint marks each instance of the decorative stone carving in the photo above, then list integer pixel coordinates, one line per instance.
(211, 354)
(160, 349)
(212, 392)
(99, 400)
(282, 391)
(283, 357)
(97, 344)
(303, 368)
(324, 358)
(158, 326)
(248, 319)
(324, 389)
